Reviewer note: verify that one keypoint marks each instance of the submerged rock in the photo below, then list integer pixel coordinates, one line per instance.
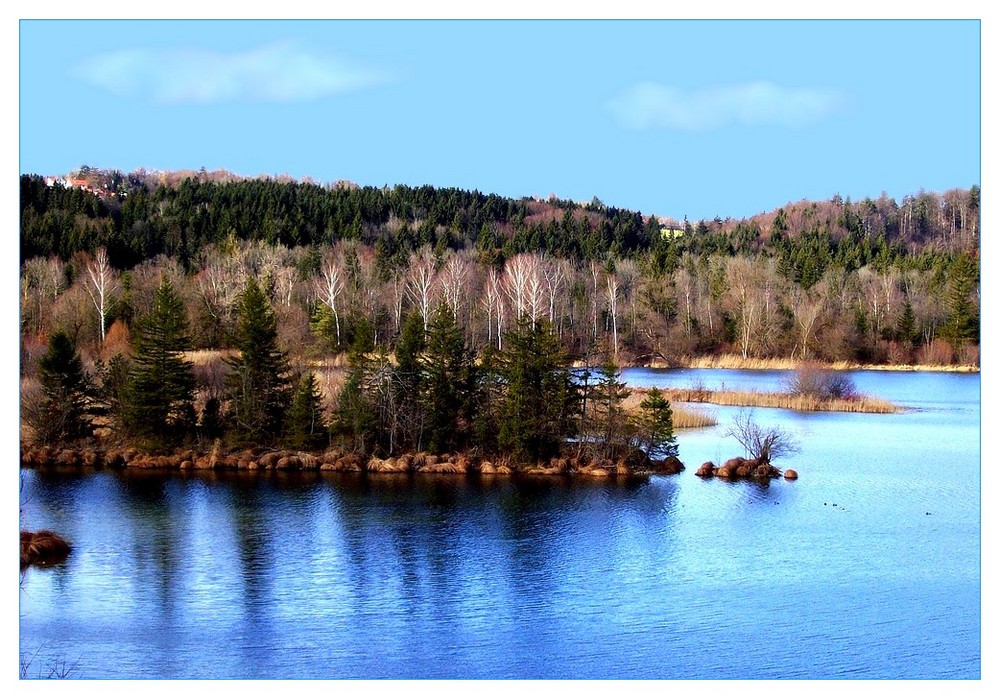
(706, 470)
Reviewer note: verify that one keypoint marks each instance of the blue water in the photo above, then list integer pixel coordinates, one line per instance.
(867, 566)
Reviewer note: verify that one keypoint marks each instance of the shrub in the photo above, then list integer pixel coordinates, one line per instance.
(814, 381)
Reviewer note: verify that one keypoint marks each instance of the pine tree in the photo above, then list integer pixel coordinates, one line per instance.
(539, 407)
(304, 426)
(963, 317)
(356, 417)
(160, 406)
(608, 426)
(448, 383)
(258, 386)
(65, 410)
(654, 426)
(407, 385)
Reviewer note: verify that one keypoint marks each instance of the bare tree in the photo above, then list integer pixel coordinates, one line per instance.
(808, 306)
(761, 443)
(684, 284)
(555, 273)
(454, 278)
(493, 300)
(524, 283)
(331, 285)
(611, 297)
(103, 282)
(42, 280)
(421, 282)
(629, 278)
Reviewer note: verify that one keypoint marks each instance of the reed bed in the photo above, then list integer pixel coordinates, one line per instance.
(683, 416)
(690, 418)
(736, 361)
(761, 399)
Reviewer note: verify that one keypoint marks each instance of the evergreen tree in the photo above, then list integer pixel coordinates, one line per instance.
(906, 328)
(304, 427)
(608, 425)
(161, 382)
(212, 424)
(65, 410)
(258, 386)
(448, 383)
(113, 394)
(408, 414)
(539, 406)
(654, 426)
(963, 317)
(356, 418)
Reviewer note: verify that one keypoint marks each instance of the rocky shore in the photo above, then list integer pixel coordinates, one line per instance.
(331, 460)
(738, 467)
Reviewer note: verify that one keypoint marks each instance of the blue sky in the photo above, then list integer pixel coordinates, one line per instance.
(678, 118)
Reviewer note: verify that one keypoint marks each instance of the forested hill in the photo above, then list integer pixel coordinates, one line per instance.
(141, 215)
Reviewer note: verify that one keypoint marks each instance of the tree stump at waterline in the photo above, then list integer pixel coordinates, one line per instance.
(42, 548)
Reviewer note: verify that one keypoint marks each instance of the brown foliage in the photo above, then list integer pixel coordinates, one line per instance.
(116, 341)
(42, 548)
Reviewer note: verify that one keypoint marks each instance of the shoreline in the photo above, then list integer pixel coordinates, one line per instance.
(330, 460)
(736, 362)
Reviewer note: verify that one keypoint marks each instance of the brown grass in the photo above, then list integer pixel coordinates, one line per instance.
(735, 361)
(861, 404)
(42, 548)
(683, 416)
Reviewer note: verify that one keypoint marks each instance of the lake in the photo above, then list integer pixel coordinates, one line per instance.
(868, 566)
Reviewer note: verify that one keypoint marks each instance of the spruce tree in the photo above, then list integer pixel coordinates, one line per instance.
(258, 385)
(608, 423)
(447, 384)
(160, 407)
(407, 385)
(304, 426)
(963, 317)
(356, 417)
(654, 426)
(65, 411)
(540, 403)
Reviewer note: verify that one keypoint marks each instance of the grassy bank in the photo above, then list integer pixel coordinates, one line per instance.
(735, 361)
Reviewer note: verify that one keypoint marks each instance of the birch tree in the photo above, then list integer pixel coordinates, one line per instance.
(102, 282)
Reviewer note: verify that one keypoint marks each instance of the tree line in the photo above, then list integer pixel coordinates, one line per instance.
(520, 405)
(447, 294)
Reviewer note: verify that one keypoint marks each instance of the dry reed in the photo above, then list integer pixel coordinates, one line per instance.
(860, 404)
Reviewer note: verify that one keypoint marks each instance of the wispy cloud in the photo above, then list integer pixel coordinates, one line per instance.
(283, 72)
(648, 106)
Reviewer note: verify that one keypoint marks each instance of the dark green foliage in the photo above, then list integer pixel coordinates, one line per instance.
(304, 424)
(606, 427)
(963, 317)
(355, 422)
(539, 408)
(114, 393)
(258, 385)
(161, 381)
(212, 423)
(407, 386)
(448, 384)
(906, 329)
(65, 409)
(654, 426)
(356, 419)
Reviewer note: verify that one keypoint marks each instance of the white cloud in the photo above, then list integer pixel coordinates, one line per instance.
(274, 73)
(647, 106)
